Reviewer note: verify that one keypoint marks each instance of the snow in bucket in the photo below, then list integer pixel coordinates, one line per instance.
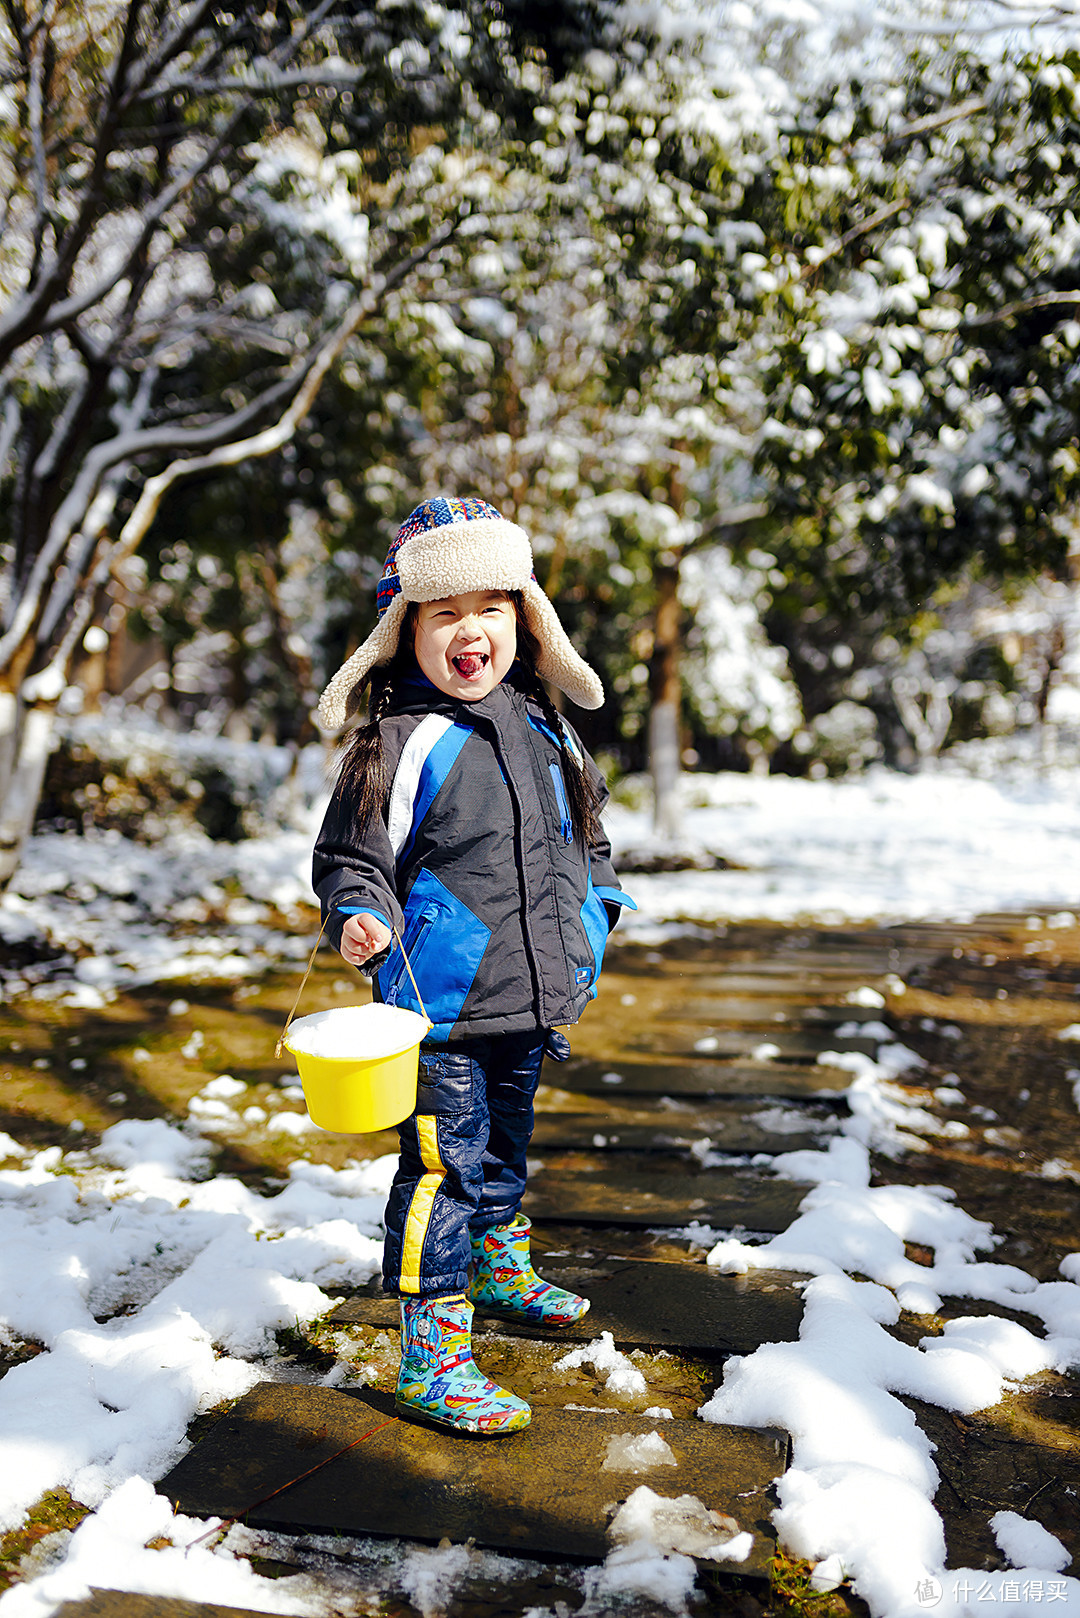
(346, 1033)
(358, 1065)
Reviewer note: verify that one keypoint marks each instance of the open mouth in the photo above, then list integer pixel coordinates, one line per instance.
(471, 664)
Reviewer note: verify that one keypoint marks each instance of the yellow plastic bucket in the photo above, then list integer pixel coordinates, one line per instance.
(372, 1087)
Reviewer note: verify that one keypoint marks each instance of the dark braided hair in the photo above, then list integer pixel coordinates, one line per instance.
(584, 801)
(363, 773)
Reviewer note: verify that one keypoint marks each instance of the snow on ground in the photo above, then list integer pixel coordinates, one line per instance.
(156, 1292)
(857, 1498)
(124, 914)
(878, 847)
(207, 1271)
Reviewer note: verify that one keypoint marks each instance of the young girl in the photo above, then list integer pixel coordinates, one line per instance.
(466, 818)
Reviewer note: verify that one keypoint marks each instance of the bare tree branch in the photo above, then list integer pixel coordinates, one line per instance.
(250, 84)
(27, 316)
(35, 110)
(170, 48)
(1023, 306)
(23, 318)
(72, 308)
(937, 120)
(224, 448)
(888, 211)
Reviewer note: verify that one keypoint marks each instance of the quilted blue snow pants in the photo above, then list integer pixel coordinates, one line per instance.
(462, 1164)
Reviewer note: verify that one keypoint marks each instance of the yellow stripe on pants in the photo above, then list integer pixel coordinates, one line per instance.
(423, 1200)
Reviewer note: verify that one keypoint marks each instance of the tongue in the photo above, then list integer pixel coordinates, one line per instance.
(469, 665)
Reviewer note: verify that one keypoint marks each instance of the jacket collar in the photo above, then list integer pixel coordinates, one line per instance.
(417, 694)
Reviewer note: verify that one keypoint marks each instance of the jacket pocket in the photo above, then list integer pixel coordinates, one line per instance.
(445, 944)
(417, 927)
(597, 922)
(594, 922)
(566, 824)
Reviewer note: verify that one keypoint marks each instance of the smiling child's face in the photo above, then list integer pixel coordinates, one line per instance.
(465, 644)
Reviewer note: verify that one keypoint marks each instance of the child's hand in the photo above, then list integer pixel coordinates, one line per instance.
(363, 936)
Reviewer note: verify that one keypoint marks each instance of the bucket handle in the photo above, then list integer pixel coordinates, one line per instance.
(279, 1047)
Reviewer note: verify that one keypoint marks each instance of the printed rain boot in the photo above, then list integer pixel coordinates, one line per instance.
(503, 1278)
(440, 1380)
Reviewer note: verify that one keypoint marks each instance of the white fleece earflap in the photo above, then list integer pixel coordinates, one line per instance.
(340, 700)
(558, 662)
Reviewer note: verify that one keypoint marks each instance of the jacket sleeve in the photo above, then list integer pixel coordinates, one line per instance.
(605, 881)
(354, 868)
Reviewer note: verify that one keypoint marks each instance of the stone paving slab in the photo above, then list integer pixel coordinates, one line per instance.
(881, 955)
(1010, 920)
(665, 1131)
(614, 1197)
(687, 1307)
(784, 1081)
(769, 1013)
(126, 1604)
(789, 1045)
(541, 1491)
(772, 978)
(800, 993)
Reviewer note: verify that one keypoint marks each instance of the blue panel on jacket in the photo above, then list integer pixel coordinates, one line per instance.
(445, 944)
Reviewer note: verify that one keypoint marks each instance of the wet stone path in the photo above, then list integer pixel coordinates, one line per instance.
(700, 1063)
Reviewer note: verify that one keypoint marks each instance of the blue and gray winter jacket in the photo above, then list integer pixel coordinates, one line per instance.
(503, 912)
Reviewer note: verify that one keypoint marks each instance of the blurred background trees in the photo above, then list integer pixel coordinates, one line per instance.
(767, 331)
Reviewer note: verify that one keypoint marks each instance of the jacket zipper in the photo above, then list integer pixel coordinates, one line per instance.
(515, 803)
(416, 937)
(540, 990)
(567, 826)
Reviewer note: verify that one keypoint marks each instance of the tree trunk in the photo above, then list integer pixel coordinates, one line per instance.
(30, 741)
(665, 693)
(1059, 700)
(9, 734)
(927, 727)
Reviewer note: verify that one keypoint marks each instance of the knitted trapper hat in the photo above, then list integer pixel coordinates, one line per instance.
(449, 547)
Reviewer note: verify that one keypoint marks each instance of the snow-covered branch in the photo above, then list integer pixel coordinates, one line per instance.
(122, 449)
(727, 522)
(76, 594)
(267, 83)
(271, 439)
